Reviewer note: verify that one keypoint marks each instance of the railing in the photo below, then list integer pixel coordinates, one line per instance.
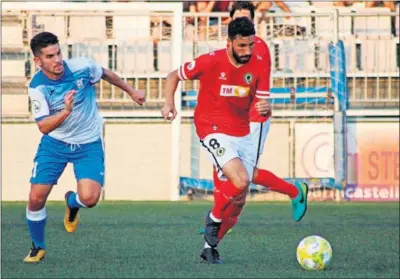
(138, 46)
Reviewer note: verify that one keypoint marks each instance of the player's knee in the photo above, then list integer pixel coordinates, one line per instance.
(91, 204)
(89, 192)
(36, 200)
(89, 200)
(242, 181)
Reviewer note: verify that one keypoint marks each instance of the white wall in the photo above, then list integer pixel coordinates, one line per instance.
(138, 157)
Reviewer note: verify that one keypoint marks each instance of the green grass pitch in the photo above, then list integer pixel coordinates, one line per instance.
(155, 240)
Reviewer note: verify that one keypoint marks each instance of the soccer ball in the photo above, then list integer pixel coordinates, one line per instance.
(314, 253)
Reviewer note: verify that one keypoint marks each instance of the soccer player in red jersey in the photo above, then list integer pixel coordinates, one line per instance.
(231, 79)
(259, 124)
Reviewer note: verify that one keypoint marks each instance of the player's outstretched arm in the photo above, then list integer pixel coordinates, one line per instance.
(136, 95)
(49, 123)
(170, 87)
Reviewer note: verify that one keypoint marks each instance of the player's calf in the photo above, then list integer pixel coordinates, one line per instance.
(231, 214)
(36, 216)
(298, 192)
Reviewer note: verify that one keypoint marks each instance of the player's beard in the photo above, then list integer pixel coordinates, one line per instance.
(56, 72)
(58, 69)
(240, 59)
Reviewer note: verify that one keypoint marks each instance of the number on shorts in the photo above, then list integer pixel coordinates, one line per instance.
(34, 169)
(214, 144)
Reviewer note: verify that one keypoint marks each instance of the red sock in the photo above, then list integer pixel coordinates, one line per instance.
(226, 225)
(224, 193)
(274, 183)
(231, 214)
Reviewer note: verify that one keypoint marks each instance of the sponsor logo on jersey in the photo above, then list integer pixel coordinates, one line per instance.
(234, 91)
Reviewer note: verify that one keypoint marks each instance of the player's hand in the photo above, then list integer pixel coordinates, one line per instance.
(168, 109)
(139, 97)
(263, 107)
(69, 100)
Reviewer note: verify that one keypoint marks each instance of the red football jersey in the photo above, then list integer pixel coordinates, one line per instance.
(261, 48)
(226, 92)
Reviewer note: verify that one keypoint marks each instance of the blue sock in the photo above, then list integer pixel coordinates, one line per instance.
(74, 201)
(36, 223)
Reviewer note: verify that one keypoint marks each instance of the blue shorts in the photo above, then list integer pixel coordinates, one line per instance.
(53, 155)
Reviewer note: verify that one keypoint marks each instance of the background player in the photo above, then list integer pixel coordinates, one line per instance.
(259, 124)
(230, 80)
(64, 105)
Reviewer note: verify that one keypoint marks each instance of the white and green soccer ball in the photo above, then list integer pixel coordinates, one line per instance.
(314, 253)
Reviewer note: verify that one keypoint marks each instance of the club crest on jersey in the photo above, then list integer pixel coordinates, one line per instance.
(220, 151)
(79, 83)
(234, 91)
(191, 65)
(248, 78)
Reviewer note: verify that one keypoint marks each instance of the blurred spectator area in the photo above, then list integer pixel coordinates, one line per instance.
(139, 47)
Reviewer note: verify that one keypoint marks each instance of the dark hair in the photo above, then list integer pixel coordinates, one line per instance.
(243, 5)
(42, 40)
(241, 26)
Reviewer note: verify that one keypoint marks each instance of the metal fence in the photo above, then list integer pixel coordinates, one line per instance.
(139, 47)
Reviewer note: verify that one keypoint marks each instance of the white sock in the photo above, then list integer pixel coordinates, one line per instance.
(79, 201)
(36, 215)
(216, 220)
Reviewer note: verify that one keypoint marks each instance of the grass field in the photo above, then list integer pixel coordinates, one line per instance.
(128, 240)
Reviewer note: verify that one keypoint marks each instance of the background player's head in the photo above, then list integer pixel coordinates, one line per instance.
(241, 39)
(47, 54)
(243, 9)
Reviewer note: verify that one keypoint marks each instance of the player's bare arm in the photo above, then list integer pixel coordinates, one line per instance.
(170, 87)
(136, 95)
(49, 123)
